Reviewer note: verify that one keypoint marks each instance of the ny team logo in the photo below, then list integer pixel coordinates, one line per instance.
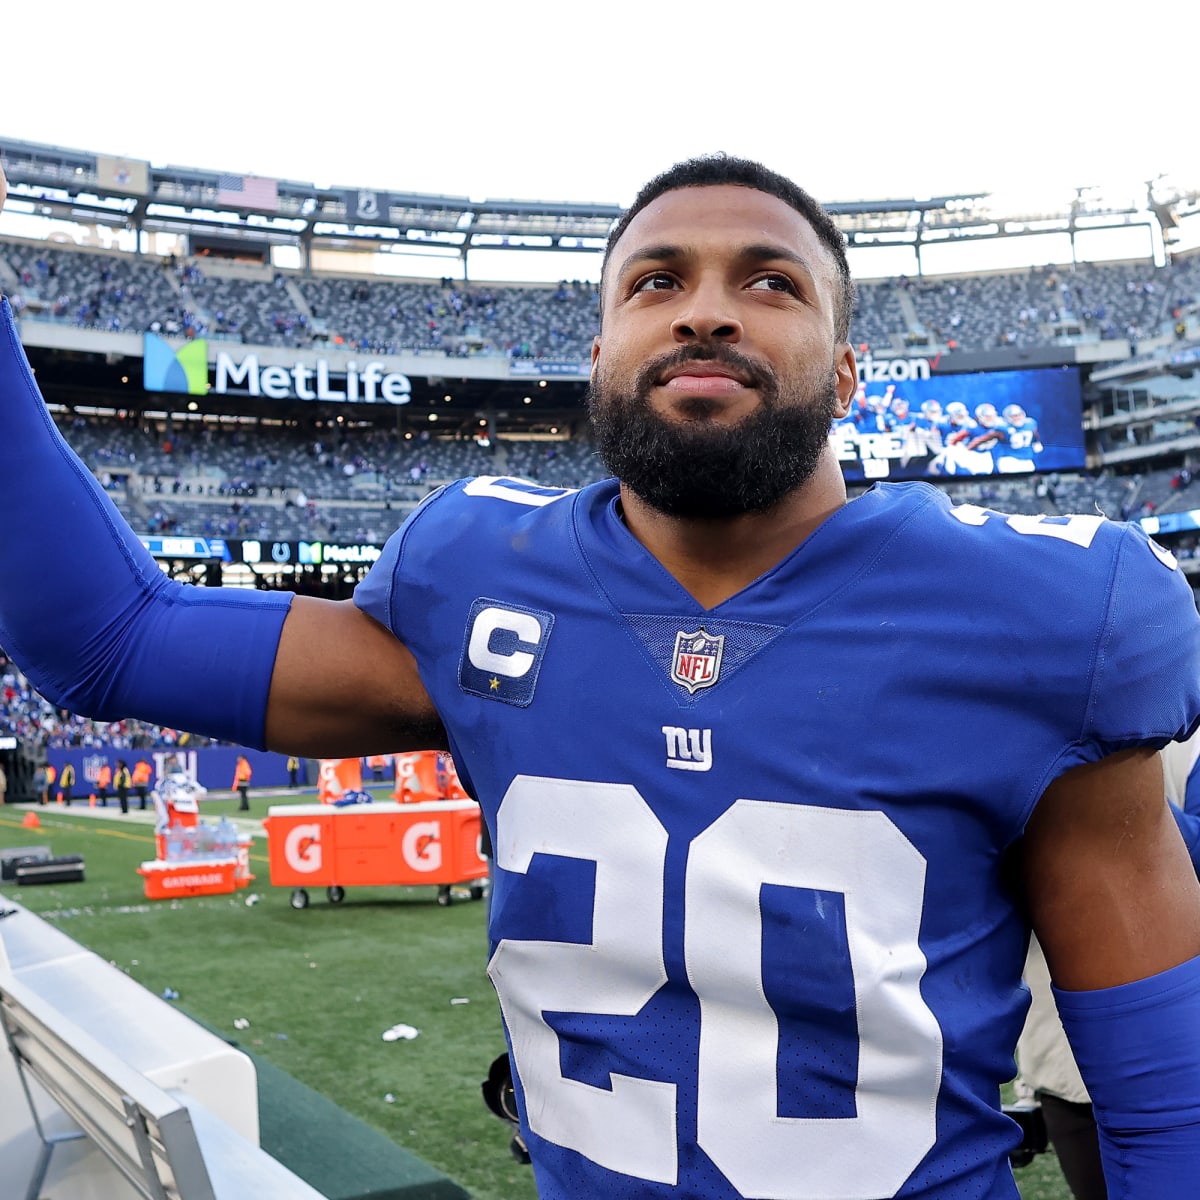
(696, 662)
(166, 370)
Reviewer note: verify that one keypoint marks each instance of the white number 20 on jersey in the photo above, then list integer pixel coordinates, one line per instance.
(631, 1128)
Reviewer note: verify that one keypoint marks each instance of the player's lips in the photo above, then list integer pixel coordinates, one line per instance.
(704, 379)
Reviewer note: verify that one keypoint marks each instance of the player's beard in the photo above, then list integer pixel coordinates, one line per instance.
(703, 468)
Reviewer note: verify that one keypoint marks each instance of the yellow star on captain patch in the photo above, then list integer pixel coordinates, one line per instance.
(494, 684)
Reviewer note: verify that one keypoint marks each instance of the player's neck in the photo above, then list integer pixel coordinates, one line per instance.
(715, 559)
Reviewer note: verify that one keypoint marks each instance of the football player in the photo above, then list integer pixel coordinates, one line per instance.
(736, 956)
(929, 429)
(991, 433)
(957, 458)
(1023, 442)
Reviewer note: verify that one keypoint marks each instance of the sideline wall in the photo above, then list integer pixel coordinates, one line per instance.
(211, 765)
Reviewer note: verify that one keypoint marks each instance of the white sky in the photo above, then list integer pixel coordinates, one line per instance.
(562, 101)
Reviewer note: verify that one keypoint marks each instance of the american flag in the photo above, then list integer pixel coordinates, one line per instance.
(248, 191)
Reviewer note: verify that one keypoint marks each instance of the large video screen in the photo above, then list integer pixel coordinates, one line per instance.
(991, 423)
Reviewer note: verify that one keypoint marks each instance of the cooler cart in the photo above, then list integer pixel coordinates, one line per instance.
(435, 842)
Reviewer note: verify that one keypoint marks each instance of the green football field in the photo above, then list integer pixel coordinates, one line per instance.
(320, 986)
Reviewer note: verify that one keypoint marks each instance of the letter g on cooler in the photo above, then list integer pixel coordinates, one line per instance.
(302, 848)
(421, 845)
(503, 649)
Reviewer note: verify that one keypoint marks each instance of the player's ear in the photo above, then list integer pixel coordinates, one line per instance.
(595, 353)
(845, 368)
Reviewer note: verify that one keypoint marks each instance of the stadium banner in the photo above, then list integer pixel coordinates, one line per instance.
(365, 207)
(907, 422)
(186, 370)
(1176, 522)
(253, 552)
(305, 554)
(177, 546)
(211, 766)
(541, 368)
(128, 175)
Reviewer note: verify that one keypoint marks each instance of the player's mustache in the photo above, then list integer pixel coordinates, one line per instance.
(755, 373)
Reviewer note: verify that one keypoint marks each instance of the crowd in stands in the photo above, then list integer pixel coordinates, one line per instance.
(357, 486)
(1039, 306)
(286, 483)
(118, 292)
(38, 723)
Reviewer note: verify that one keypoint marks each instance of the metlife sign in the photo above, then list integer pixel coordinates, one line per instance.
(306, 554)
(185, 370)
(304, 381)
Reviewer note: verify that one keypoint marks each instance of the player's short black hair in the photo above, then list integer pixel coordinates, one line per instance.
(712, 170)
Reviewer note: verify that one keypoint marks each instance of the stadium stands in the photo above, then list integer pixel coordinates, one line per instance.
(258, 306)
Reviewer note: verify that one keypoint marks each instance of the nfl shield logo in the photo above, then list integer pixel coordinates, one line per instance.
(696, 662)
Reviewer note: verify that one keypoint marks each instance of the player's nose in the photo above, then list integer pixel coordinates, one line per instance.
(710, 314)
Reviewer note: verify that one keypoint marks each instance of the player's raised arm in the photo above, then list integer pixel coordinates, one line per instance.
(1115, 902)
(100, 630)
(343, 686)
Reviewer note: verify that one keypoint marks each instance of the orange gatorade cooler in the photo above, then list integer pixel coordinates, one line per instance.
(336, 777)
(372, 845)
(197, 877)
(427, 775)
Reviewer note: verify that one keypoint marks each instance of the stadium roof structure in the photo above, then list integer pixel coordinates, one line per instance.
(127, 193)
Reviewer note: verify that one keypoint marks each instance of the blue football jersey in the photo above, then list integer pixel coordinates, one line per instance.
(750, 935)
(1022, 438)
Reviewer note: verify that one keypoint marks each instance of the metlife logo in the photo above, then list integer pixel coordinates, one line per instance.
(331, 552)
(186, 370)
(165, 369)
(308, 554)
(310, 381)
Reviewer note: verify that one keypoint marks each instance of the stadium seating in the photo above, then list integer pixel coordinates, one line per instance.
(256, 305)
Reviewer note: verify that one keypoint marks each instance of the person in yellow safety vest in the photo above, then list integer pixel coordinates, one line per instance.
(141, 780)
(241, 782)
(103, 779)
(293, 770)
(123, 781)
(66, 783)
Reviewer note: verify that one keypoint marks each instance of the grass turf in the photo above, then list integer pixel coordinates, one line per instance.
(320, 986)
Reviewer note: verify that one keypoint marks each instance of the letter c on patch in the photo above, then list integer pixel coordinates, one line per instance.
(528, 630)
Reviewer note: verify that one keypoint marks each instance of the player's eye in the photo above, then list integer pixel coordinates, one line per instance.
(659, 281)
(774, 283)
